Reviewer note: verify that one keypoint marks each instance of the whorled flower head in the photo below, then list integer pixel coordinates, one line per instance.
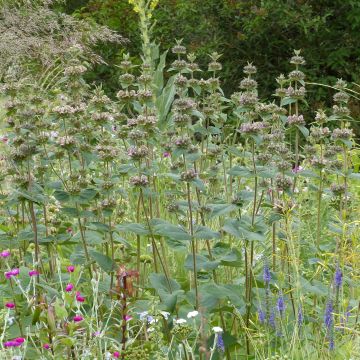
(139, 181)
(188, 175)
(342, 134)
(341, 97)
(296, 75)
(138, 153)
(249, 69)
(341, 111)
(293, 120)
(248, 84)
(252, 128)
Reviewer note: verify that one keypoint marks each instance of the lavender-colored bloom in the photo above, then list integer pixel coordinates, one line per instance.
(272, 319)
(267, 274)
(220, 343)
(338, 277)
(262, 316)
(280, 304)
(300, 318)
(348, 313)
(331, 344)
(328, 317)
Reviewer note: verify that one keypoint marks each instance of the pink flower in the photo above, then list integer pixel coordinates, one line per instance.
(79, 298)
(127, 317)
(46, 346)
(9, 344)
(15, 342)
(78, 318)
(10, 305)
(33, 273)
(11, 273)
(116, 355)
(69, 287)
(15, 272)
(69, 230)
(70, 268)
(297, 169)
(166, 154)
(5, 253)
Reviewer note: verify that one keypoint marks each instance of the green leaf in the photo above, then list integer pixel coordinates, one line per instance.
(162, 285)
(136, 228)
(221, 209)
(205, 233)
(61, 195)
(286, 101)
(240, 171)
(104, 261)
(243, 229)
(166, 229)
(303, 130)
(36, 198)
(86, 196)
(202, 263)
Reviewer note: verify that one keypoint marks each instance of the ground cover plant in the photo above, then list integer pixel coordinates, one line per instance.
(168, 221)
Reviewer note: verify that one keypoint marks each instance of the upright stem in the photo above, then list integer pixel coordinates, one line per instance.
(249, 270)
(84, 242)
(36, 240)
(192, 245)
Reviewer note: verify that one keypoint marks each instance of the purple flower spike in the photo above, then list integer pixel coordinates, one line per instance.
(281, 304)
(272, 320)
(267, 274)
(328, 317)
(262, 316)
(338, 278)
(220, 343)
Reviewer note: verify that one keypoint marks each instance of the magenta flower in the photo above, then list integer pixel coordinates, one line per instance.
(33, 273)
(15, 271)
(46, 346)
(78, 318)
(166, 154)
(15, 342)
(5, 254)
(70, 268)
(10, 305)
(69, 287)
(11, 273)
(69, 231)
(128, 317)
(9, 343)
(116, 355)
(297, 169)
(79, 298)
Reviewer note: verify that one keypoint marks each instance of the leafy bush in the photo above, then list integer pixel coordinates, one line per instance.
(172, 221)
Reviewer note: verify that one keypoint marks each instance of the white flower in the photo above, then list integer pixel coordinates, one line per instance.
(180, 321)
(151, 329)
(165, 314)
(192, 314)
(217, 329)
(143, 315)
(151, 320)
(10, 320)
